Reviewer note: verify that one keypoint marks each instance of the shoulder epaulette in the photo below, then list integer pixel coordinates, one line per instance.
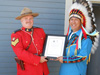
(17, 30)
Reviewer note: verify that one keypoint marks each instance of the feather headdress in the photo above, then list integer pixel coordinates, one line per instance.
(83, 10)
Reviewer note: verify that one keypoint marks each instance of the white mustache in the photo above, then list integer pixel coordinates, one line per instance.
(28, 22)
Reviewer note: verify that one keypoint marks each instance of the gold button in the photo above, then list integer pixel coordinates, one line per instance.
(26, 41)
(13, 38)
(27, 30)
(41, 38)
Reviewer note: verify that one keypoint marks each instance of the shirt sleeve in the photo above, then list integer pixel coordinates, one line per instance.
(21, 53)
(82, 55)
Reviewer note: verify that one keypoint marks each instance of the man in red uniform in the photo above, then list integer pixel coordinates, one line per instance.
(34, 64)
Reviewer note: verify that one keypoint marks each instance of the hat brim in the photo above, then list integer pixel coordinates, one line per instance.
(33, 14)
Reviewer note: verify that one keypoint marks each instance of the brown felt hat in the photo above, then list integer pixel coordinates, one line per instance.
(25, 12)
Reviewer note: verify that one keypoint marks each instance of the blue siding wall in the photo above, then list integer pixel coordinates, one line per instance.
(51, 19)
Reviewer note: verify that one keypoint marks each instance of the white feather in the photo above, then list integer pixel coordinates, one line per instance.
(94, 19)
(92, 51)
(97, 38)
(88, 24)
(90, 5)
(95, 25)
(91, 9)
(92, 14)
(95, 45)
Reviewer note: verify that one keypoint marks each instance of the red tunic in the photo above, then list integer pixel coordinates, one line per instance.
(19, 42)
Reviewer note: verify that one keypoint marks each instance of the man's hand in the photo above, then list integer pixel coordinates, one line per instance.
(43, 59)
(60, 59)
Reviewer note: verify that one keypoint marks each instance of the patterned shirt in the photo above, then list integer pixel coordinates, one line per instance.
(75, 61)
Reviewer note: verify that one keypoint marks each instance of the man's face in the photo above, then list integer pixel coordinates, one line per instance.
(75, 24)
(27, 21)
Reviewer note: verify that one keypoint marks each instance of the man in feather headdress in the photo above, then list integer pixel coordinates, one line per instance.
(82, 39)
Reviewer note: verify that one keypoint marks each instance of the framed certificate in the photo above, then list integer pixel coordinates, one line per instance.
(55, 45)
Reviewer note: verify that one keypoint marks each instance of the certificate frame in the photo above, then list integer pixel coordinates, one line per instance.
(54, 46)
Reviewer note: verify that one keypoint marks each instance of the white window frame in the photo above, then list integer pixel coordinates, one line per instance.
(68, 4)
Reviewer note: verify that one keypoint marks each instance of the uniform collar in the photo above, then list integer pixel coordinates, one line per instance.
(26, 29)
(78, 32)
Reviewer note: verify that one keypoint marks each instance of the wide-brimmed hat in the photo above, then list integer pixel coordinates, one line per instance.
(25, 12)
